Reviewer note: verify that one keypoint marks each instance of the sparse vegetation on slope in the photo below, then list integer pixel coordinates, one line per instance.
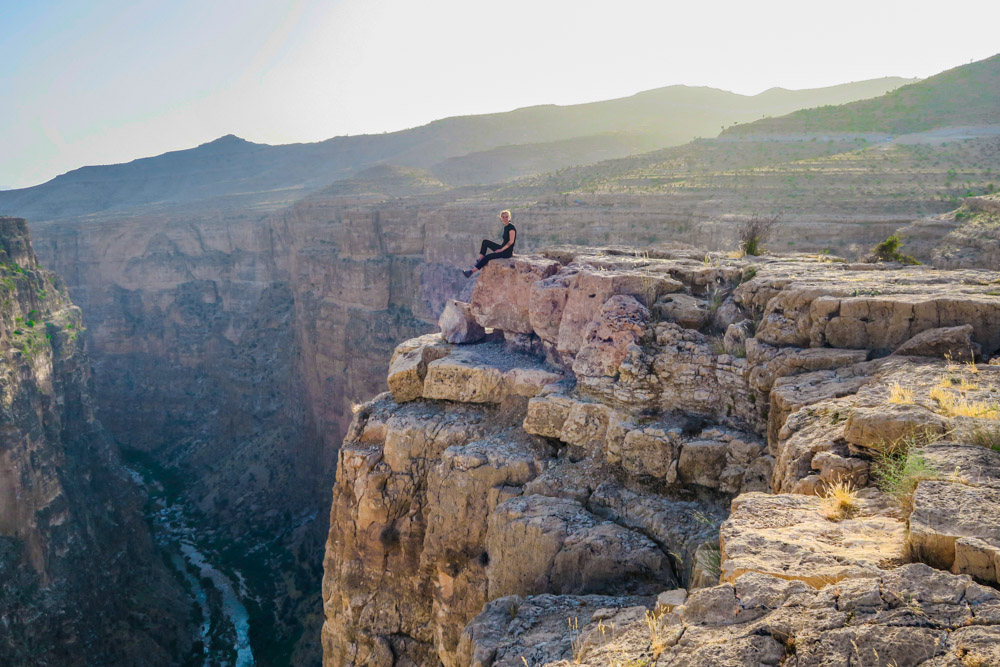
(965, 95)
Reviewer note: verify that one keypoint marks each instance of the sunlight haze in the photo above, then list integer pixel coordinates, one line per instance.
(103, 82)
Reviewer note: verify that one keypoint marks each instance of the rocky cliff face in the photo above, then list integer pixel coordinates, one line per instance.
(680, 458)
(82, 584)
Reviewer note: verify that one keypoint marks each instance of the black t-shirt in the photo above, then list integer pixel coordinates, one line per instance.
(508, 229)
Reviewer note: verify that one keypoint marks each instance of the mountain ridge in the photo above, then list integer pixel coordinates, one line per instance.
(663, 117)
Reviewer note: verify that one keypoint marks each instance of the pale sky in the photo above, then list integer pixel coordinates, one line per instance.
(104, 81)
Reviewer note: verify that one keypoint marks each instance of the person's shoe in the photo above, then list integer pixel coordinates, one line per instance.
(467, 273)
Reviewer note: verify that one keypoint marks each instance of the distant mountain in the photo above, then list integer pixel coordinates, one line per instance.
(385, 179)
(233, 171)
(964, 96)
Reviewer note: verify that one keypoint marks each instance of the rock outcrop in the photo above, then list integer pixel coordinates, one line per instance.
(527, 497)
(968, 237)
(82, 583)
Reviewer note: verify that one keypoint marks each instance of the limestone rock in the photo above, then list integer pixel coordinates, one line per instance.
(547, 302)
(786, 536)
(547, 415)
(462, 490)
(667, 600)
(596, 287)
(650, 451)
(502, 297)
(681, 526)
(463, 377)
(408, 366)
(701, 462)
(458, 325)
(513, 629)
(871, 429)
(586, 426)
(953, 342)
(954, 527)
(620, 323)
(485, 373)
(537, 544)
(682, 309)
(735, 339)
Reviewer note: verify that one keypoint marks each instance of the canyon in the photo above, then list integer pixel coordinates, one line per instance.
(243, 309)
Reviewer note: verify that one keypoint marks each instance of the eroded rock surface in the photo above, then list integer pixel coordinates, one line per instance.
(636, 425)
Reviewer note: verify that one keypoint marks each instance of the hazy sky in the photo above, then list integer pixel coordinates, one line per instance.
(95, 82)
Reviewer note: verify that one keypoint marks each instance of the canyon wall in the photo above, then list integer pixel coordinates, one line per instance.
(617, 461)
(82, 582)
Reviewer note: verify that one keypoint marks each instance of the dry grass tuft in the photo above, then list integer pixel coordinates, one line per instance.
(954, 405)
(964, 386)
(655, 641)
(950, 362)
(840, 502)
(900, 394)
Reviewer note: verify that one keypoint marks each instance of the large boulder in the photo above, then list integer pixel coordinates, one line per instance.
(593, 287)
(408, 367)
(953, 342)
(458, 325)
(502, 297)
(547, 302)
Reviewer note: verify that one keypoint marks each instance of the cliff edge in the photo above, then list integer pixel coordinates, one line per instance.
(673, 457)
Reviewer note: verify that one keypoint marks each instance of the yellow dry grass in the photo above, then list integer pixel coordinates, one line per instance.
(959, 406)
(656, 642)
(964, 385)
(839, 502)
(900, 394)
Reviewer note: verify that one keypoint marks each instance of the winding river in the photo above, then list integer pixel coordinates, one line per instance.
(225, 622)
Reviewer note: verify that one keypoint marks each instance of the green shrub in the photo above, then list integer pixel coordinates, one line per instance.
(899, 468)
(888, 251)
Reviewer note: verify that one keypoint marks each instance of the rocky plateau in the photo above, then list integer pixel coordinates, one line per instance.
(679, 457)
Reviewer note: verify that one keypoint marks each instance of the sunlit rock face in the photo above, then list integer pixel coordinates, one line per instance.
(610, 440)
(71, 525)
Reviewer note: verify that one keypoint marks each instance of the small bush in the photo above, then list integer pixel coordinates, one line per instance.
(710, 559)
(899, 468)
(755, 232)
(888, 251)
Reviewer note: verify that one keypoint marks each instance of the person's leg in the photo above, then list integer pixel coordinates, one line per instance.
(487, 258)
(486, 246)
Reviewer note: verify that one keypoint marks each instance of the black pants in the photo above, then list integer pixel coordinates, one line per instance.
(488, 256)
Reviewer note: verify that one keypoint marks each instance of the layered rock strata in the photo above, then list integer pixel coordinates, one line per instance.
(632, 423)
(81, 581)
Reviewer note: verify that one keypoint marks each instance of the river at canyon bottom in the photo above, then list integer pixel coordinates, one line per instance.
(224, 623)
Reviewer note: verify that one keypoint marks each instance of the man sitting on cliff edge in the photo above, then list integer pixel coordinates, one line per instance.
(500, 250)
